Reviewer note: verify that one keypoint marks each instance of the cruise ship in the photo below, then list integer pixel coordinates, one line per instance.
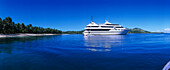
(104, 29)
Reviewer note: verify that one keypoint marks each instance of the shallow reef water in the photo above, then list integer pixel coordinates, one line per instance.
(78, 52)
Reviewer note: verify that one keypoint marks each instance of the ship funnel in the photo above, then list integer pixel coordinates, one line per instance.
(107, 22)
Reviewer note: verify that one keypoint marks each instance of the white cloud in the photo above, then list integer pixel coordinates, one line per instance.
(167, 30)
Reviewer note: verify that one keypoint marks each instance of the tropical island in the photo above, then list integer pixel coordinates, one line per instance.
(8, 28)
(139, 30)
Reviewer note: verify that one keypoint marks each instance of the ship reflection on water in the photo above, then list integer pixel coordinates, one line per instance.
(103, 42)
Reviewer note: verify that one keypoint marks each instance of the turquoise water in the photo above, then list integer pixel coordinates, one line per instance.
(75, 52)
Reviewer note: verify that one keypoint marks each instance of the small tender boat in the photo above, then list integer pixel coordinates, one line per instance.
(167, 66)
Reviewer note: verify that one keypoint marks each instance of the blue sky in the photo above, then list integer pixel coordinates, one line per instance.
(65, 15)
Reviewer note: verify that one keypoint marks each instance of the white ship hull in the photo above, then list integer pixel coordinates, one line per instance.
(123, 32)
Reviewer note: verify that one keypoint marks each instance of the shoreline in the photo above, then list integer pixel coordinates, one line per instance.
(24, 35)
(30, 34)
(128, 33)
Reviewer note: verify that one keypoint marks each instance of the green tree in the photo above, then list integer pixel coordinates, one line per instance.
(22, 26)
(1, 27)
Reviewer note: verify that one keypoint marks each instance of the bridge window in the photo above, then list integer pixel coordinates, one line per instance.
(107, 26)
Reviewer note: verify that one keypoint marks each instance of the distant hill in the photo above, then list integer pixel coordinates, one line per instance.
(134, 30)
(138, 30)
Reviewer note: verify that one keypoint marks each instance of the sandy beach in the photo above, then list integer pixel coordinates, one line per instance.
(23, 35)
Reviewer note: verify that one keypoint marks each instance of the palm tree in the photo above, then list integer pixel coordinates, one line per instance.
(9, 27)
(1, 25)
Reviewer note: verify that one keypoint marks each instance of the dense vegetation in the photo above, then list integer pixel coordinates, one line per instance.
(73, 32)
(7, 26)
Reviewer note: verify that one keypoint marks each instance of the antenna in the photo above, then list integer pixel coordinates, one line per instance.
(91, 18)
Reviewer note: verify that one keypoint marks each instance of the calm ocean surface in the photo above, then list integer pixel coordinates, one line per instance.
(75, 52)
